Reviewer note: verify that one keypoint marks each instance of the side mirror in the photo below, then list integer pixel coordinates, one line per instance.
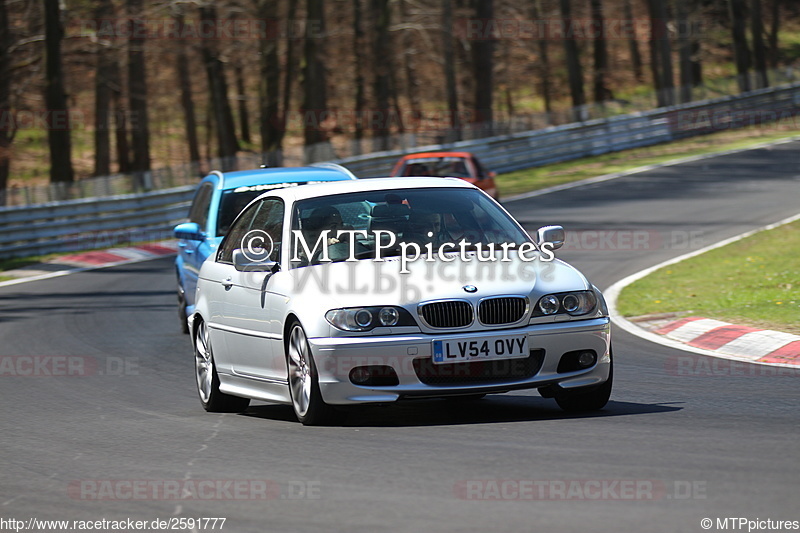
(253, 263)
(190, 231)
(552, 234)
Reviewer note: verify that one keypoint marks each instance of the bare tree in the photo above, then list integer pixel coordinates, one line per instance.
(759, 49)
(227, 143)
(137, 89)
(185, 83)
(6, 133)
(380, 14)
(543, 64)
(684, 50)
(741, 51)
(103, 10)
(574, 71)
(449, 64)
(120, 119)
(241, 100)
(483, 65)
(58, 131)
(661, 53)
(773, 33)
(359, 102)
(315, 101)
(633, 44)
(269, 87)
(601, 90)
(409, 66)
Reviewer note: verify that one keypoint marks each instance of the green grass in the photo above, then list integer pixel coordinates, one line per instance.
(550, 175)
(752, 282)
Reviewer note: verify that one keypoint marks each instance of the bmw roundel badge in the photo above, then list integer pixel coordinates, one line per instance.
(470, 288)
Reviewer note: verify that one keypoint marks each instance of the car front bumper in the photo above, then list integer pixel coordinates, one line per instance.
(335, 357)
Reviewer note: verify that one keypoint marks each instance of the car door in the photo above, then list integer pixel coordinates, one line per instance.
(188, 248)
(253, 332)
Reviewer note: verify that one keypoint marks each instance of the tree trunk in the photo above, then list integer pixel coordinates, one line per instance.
(315, 101)
(269, 89)
(601, 90)
(574, 70)
(241, 98)
(451, 84)
(759, 49)
(227, 143)
(5, 102)
(380, 13)
(289, 74)
(633, 44)
(661, 53)
(102, 97)
(773, 33)
(137, 89)
(483, 65)
(187, 102)
(740, 48)
(58, 130)
(359, 101)
(684, 51)
(544, 60)
(120, 120)
(409, 52)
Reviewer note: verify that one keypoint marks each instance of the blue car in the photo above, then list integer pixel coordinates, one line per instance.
(219, 198)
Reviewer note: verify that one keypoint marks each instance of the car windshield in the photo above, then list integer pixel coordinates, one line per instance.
(234, 200)
(386, 218)
(456, 167)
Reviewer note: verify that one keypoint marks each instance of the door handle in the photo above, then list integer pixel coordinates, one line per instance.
(227, 283)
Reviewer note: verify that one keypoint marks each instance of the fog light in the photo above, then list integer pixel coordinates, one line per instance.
(360, 375)
(586, 359)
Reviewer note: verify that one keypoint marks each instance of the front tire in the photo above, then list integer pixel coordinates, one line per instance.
(309, 407)
(582, 402)
(213, 400)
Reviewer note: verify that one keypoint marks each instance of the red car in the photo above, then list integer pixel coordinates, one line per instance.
(462, 165)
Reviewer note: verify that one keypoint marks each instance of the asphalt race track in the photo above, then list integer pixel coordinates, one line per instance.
(684, 437)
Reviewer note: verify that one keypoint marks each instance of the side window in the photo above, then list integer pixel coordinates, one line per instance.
(199, 210)
(234, 238)
(270, 219)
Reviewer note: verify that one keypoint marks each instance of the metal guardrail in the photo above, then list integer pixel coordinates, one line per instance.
(91, 223)
(556, 144)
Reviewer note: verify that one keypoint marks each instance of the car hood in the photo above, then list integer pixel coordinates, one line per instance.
(367, 282)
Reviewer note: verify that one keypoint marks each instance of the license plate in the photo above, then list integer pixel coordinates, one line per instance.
(480, 349)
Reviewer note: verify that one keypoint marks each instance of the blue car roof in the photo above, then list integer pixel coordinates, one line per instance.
(269, 176)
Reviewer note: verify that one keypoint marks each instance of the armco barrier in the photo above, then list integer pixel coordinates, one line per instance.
(91, 222)
(88, 223)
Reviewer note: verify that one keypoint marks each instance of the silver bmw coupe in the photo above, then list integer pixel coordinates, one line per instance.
(379, 290)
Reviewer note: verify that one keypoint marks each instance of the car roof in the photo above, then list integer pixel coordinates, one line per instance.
(436, 154)
(277, 175)
(369, 184)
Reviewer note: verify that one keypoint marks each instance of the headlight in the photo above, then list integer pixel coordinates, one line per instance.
(367, 318)
(573, 303)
